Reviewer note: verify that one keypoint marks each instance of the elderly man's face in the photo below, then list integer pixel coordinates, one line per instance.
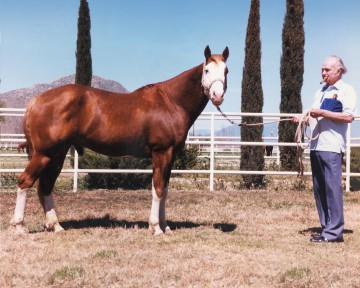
(330, 72)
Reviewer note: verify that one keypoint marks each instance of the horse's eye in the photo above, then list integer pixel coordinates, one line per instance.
(206, 71)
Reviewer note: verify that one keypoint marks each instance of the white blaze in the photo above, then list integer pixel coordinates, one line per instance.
(213, 80)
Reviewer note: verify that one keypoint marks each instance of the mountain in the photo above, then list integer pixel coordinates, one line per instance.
(20, 97)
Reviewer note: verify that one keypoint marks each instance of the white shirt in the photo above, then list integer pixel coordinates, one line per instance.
(332, 135)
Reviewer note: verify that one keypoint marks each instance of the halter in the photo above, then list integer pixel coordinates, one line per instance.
(207, 89)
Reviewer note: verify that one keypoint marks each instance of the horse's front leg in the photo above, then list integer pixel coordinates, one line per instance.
(162, 163)
(157, 217)
(25, 182)
(19, 213)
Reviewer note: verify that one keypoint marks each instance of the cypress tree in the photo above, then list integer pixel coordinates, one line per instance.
(83, 74)
(291, 73)
(252, 100)
(83, 46)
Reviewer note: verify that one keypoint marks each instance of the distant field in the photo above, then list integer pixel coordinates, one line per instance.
(222, 239)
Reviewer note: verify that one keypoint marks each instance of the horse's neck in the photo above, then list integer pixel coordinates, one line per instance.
(187, 93)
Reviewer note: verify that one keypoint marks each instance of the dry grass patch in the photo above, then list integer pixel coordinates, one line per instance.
(219, 239)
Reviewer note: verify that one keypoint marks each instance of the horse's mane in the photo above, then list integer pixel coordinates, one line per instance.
(167, 83)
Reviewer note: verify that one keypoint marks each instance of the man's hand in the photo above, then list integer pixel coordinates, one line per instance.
(300, 119)
(316, 112)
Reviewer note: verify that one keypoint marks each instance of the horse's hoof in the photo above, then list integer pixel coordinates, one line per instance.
(157, 231)
(20, 230)
(53, 228)
(58, 228)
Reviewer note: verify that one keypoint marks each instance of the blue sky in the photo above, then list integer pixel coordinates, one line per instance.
(137, 42)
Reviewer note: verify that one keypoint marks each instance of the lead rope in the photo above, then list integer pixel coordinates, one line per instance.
(249, 124)
(299, 134)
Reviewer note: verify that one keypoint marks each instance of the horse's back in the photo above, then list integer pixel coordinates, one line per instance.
(107, 122)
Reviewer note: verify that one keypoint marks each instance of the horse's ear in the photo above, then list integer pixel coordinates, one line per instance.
(207, 52)
(225, 53)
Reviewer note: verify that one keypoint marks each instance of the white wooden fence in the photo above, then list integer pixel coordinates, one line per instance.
(213, 142)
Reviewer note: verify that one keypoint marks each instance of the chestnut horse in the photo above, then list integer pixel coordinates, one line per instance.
(152, 121)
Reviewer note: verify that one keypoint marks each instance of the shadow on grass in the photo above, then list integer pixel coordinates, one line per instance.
(104, 222)
(224, 227)
(319, 229)
(107, 222)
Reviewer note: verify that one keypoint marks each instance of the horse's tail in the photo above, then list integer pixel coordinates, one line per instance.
(23, 146)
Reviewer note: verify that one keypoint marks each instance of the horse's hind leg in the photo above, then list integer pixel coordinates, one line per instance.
(25, 182)
(45, 186)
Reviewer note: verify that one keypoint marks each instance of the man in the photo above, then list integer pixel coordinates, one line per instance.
(333, 108)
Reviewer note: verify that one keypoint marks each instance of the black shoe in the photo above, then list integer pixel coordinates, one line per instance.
(315, 236)
(322, 239)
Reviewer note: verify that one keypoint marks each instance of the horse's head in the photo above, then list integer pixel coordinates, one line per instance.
(214, 75)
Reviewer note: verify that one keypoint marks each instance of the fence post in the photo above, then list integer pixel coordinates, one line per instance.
(212, 152)
(76, 167)
(348, 149)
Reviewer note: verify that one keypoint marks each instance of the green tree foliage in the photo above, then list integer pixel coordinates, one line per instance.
(252, 100)
(83, 46)
(291, 73)
(83, 73)
(355, 168)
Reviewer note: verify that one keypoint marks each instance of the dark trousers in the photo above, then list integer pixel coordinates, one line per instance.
(327, 174)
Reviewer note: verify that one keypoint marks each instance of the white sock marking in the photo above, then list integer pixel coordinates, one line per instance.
(154, 215)
(51, 220)
(19, 212)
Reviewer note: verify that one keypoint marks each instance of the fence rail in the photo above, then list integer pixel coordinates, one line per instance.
(213, 143)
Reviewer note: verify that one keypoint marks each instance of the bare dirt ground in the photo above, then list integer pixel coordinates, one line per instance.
(219, 239)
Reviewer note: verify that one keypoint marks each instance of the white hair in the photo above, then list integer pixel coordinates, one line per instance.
(339, 63)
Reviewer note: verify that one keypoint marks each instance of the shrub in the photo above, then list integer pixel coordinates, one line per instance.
(355, 168)
(93, 160)
(186, 159)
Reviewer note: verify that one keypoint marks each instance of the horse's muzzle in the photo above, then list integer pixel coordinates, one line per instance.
(217, 100)
(217, 93)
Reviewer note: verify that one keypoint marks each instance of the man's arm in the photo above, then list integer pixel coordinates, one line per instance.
(334, 116)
